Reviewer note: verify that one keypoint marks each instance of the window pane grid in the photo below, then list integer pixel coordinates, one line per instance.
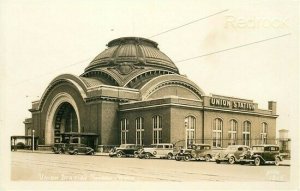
(217, 132)
(246, 133)
(124, 131)
(157, 129)
(190, 129)
(263, 133)
(232, 133)
(139, 125)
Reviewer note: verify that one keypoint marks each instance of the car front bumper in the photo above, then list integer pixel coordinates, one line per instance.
(221, 159)
(141, 155)
(112, 154)
(181, 157)
(246, 160)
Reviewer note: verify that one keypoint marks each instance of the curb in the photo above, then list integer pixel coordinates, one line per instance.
(50, 152)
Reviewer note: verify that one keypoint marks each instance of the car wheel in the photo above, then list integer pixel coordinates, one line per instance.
(187, 158)
(147, 156)
(177, 158)
(170, 156)
(218, 161)
(257, 161)
(207, 158)
(119, 155)
(136, 155)
(277, 161)
(75, 153)
(231, 160)
(92, 153)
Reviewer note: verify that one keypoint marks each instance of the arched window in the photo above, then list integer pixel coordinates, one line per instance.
(190, 126)
(157, 129)
(217, 132)
(139, 126)
(124, 131)
(264, 133)
(246, 133)
(232, 133)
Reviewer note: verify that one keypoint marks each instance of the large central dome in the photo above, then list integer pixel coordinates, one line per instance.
(135, 50)
(129, 62)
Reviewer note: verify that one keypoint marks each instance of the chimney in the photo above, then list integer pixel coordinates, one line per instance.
(272, 107)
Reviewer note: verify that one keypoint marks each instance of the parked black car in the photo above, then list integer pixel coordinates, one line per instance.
(75, 149)
(59, 148)
(262, 154)
(127, 150)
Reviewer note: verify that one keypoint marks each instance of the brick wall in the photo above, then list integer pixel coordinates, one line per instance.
(147, 115)
(256, 125)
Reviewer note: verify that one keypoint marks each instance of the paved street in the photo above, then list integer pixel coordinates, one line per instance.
(45, 166)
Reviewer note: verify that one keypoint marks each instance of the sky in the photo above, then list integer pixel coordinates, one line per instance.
(43, 39)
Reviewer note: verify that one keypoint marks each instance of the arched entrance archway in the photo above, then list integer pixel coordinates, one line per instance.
(62, 116)
(66, 121)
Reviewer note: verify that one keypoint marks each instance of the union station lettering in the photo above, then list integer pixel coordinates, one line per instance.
(241, 105)
(220, 102)
(227, 103)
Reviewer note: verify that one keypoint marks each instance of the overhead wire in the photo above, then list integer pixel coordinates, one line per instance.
(235, 47)
(197, 20)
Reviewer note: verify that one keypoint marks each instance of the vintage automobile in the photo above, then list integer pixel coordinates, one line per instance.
(127, 150)
(262, 154)
(75, 149)
(59, 148)
(195, 152)
(231, 154)
(161, 150)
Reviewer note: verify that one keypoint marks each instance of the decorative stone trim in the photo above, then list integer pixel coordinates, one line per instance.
(52, 109)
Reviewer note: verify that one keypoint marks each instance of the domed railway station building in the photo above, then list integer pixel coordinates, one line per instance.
(133, 93)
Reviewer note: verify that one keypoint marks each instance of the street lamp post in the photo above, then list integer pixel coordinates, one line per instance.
(33, 140)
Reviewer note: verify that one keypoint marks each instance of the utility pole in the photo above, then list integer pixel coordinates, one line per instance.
(33, 140)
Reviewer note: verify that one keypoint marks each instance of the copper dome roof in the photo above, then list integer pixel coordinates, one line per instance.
(135, 50)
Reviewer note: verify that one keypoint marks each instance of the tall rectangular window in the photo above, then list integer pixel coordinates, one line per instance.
(263, 134)
(246, 133)
(124, 131)
(190, 125)
(157, 129)
(217, 132)
(232, 133)
(139, 126)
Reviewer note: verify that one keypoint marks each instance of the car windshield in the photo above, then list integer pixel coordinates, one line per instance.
(150, 146)
(258, 148)
(231, 148)
(123, 146)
